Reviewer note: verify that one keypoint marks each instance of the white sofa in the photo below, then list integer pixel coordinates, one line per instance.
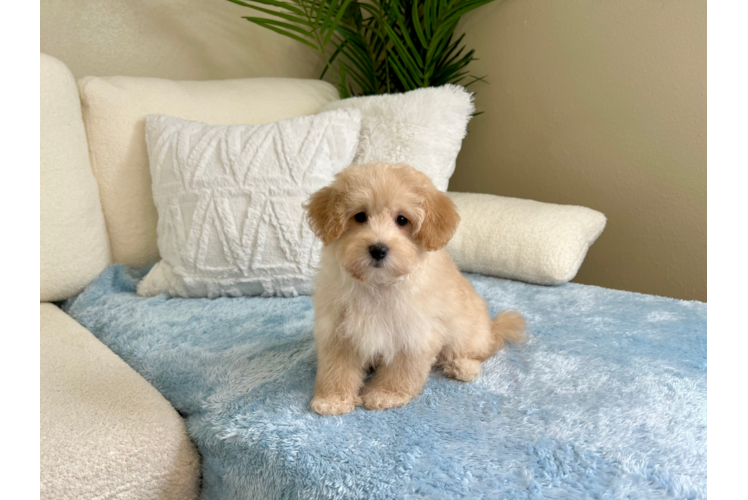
(105, 431)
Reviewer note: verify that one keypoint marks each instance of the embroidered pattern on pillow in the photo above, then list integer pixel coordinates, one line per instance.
(229, 200)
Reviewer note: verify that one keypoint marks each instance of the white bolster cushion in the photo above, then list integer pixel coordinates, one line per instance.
(524, 240)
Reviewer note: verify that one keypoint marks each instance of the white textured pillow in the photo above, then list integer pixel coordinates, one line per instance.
(522, 239)
(114, 111)
(422, 128)
(229, 200)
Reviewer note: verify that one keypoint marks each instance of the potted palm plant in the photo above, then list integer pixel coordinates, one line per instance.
(377, 46)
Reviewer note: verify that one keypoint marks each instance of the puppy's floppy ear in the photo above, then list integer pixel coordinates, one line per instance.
(326, 214)
(440, 220)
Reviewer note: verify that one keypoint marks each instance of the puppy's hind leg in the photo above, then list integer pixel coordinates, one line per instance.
(463, 369)
(464, 363)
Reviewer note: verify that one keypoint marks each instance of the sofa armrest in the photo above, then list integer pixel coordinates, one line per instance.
(105, 431)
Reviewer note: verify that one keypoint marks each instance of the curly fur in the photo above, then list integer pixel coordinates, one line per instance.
(404, 313)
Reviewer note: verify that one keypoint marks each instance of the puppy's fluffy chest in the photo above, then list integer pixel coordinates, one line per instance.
(380, 322)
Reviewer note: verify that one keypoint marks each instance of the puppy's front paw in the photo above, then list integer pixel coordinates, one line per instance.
(334, 405)
(378, 399)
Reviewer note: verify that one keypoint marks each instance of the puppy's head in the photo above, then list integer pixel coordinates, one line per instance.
(381, 219)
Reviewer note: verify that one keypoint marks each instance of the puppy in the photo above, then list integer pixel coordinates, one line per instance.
(388, 296)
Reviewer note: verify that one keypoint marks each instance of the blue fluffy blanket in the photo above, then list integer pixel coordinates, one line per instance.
(608, 399)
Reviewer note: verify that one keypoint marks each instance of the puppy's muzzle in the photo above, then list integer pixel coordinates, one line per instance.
(378, 251)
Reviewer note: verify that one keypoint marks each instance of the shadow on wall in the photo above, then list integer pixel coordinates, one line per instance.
(601, 105)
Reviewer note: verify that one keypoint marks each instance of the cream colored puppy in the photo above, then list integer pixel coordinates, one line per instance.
(388, 296)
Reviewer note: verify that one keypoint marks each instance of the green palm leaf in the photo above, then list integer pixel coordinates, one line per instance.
(378, 46)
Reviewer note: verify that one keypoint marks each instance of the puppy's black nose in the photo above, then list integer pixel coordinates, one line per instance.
(378, 251)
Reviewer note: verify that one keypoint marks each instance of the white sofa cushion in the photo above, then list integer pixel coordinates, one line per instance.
(74, 243)
(520, 239)
(114, 111)
(105, 431)
(229, 200)
(422, 128)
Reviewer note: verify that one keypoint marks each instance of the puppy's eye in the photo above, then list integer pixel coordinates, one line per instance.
(360, 217)
(401, 221)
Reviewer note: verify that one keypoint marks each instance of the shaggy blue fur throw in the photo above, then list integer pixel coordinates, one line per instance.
(607, 400)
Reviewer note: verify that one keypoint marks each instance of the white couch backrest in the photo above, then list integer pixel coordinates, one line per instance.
(74, 242)
(114, 112)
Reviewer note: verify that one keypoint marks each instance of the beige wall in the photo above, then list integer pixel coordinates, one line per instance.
(601, 104)
(176, 39)
(590, 102)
